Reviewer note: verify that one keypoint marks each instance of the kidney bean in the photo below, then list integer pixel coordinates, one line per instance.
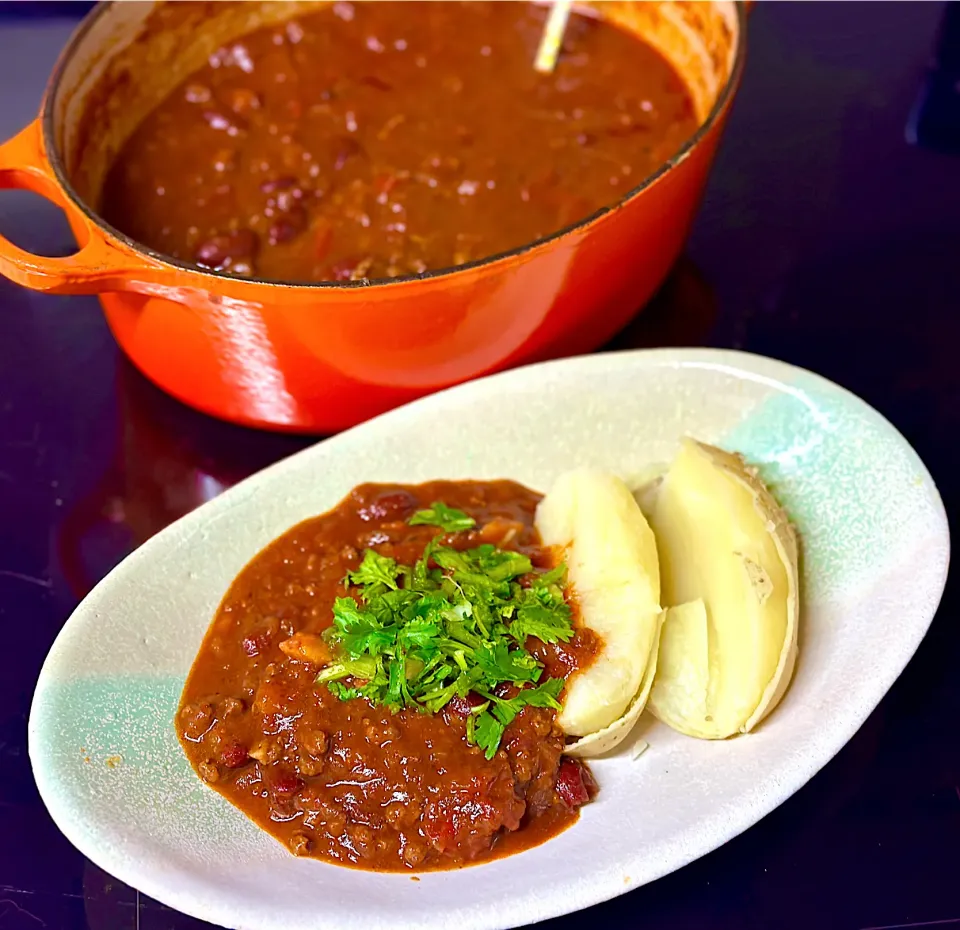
(287, 226)
(575, 784)
(281, 231)
(234, 754)
(284, 782)
(287, 201)
(392, 505)
(223, 251)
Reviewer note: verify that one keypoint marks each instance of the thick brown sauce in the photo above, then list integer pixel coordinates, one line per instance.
(343, 780)
(371, 140)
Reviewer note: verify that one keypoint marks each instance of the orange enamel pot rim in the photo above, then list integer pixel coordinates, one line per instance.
(52, 171)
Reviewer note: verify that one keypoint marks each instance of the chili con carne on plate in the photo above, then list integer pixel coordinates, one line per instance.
(344, 779)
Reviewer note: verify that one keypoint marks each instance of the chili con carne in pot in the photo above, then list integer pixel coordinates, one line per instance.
(318, 355)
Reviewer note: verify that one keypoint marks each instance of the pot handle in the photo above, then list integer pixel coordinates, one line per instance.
(98, 265)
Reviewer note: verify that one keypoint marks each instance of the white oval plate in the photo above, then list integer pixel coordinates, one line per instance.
(875, 550)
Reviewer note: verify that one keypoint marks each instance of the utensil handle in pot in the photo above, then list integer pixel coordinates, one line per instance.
(97, 266)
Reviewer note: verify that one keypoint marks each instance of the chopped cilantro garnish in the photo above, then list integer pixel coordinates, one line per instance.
(453, 623)
(487, 733)
(540, 607)
(447, 518)
(375, 570)
(490, 724)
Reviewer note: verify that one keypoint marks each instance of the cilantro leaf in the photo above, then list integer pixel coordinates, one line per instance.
(545, 695)
(487, 733)
(499, 663)
(447, 518)
(357, 631)
(423, 578)
(453, 560)
(368, 640)
(347, 614)
(547, 621)
(375, 569)
(501, 565)
(419, 631)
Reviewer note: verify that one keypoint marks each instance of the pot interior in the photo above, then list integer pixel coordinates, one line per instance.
(128, 56)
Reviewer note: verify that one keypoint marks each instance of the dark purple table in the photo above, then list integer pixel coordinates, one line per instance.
(826, 240)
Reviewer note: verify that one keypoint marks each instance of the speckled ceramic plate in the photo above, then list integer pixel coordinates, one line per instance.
(875, 548)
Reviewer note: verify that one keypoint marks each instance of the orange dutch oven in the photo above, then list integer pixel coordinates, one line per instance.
(323, 356)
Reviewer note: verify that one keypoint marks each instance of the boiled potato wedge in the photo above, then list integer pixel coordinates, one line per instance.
(728, 568)
(611, 556)
(683, 662)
